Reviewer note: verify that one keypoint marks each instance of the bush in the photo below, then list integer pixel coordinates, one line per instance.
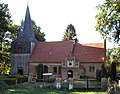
(22, 79)
(51, 79)
(11, 76)
(10, 81)
(2, 82)
(98, 75)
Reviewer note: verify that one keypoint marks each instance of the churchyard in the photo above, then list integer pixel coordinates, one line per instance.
(22, 86)
(34, 89)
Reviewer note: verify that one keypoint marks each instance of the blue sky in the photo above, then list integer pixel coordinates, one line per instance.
(53, 16)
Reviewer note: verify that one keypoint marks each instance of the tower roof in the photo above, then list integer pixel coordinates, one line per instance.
(28, 28)
(27, 31)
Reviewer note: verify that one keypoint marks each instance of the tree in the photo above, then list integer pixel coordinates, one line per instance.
(108, 20)
(5, 23)
(40, 36)
(113, 55)
(70, 33)
(113, 71)
(39, 71)
(103, 71)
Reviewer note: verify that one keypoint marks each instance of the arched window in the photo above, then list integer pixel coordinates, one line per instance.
(91, 68)
(55, 70)
(45, 69)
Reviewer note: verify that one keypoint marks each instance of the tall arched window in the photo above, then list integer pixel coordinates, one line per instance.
(91, 68)
(55, 70)
(45, 69)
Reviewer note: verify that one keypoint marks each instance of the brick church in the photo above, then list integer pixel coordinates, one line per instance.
(61, 58)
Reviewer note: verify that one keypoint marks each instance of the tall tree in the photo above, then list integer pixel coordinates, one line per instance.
(5, 23)
(40, 36)
(103, 71)
(108, 20)
(39, 71)
(70, 33)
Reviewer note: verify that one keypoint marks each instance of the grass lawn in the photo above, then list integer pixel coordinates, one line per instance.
(30, 89)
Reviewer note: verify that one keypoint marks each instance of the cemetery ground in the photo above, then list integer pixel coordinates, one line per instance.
(33, 89)
(49, 88)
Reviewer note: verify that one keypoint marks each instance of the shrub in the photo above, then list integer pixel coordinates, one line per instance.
(113, 71)
(10, 81)
(98, 75)
(51, 79)
(21, 79)
(103, 71)
(39, 70)
(2, 82)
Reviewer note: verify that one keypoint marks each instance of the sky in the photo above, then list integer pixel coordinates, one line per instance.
(53, 16)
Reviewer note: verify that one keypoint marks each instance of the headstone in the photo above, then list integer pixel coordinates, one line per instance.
(29, 78)
(70, 83)
(104, 84)
(58, 83)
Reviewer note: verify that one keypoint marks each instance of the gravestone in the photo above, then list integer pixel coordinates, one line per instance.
(58, 83)
(104, 84)
(29, 78)
(70, 83)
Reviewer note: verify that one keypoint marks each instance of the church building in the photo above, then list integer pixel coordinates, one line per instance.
(61, 58)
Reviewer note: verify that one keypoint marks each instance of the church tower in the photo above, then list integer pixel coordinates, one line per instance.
(22, 47)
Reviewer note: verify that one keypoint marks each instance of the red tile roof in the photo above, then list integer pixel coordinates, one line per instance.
(59, 50)
(93, 52)
(51, 51)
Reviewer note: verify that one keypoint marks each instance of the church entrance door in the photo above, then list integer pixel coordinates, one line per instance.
(70, 74)
(20, 70)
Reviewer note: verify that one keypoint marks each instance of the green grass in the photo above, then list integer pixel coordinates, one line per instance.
(30, 89)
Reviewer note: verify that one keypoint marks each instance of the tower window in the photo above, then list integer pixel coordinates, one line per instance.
(20, 47)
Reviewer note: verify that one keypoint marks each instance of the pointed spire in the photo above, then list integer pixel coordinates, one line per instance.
(28, 28)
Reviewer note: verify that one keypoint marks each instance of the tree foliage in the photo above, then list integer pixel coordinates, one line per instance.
(108, 20)
(5, 24)
(70, 33)
(40, 36)
(103, 71)
(39, 71)
(113, 55)
(113, 71)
